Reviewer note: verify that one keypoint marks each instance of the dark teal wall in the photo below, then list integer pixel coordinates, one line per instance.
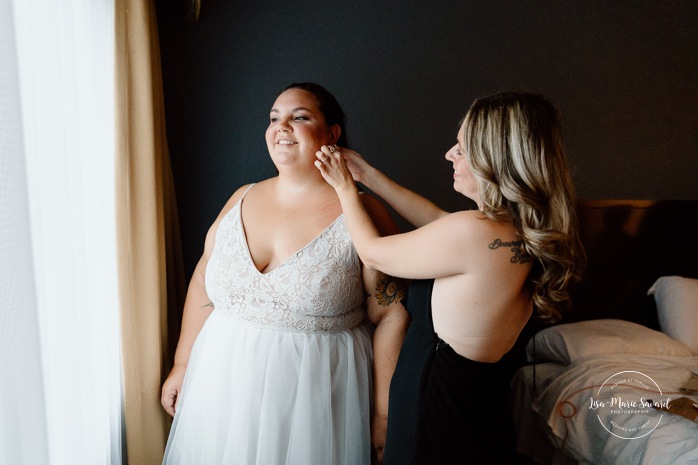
(623, 74)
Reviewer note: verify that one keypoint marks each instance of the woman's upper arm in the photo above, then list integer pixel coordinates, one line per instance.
(435, 250)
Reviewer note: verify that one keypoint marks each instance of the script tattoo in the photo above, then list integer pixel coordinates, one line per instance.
(389, 290)
(520, 255)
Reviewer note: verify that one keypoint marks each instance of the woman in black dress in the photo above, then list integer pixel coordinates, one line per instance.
(478, 275)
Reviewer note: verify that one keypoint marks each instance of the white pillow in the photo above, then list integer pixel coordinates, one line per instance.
(677, 308)
(568, 342)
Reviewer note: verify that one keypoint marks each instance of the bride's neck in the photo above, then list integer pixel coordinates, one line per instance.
(302, 184)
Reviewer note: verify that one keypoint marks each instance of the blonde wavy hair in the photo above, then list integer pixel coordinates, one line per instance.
(513, 144)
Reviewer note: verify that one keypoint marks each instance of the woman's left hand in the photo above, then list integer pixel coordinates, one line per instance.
(333, 167)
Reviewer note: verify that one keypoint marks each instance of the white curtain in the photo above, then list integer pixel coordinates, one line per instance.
(59, 321)
(22, 424)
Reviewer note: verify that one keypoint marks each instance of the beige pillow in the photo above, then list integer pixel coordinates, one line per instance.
(568, 342)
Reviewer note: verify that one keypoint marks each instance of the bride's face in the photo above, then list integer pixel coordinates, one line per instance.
(297, 128)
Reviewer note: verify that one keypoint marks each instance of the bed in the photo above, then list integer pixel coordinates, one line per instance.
(616, 381)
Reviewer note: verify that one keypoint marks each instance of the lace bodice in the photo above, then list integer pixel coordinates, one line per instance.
(318, 289)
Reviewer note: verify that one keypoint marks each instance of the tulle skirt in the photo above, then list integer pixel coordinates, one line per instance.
(255, 395)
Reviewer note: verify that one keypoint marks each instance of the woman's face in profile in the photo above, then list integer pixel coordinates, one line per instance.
(297, 128)
(463, 179)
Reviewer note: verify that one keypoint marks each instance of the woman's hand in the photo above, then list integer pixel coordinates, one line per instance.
(334, 168)
(171, 389)
(358, 167)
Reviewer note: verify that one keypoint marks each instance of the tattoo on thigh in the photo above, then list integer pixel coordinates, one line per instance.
(390, 289)
(520, 255)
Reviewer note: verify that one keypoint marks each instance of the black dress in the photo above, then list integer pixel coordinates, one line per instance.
(445, 408)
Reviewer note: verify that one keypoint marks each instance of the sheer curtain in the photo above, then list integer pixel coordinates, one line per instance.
(60, 258)
(22, 425)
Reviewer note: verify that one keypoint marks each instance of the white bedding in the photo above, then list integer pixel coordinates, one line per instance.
(585, 436)
(531, 432)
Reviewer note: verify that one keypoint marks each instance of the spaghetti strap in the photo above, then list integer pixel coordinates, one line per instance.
(246, 190)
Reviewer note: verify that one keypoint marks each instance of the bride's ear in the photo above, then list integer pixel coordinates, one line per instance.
(335, 132)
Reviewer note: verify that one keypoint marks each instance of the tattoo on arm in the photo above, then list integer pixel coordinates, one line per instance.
(210, 304)
(520, 255)
(390, 290)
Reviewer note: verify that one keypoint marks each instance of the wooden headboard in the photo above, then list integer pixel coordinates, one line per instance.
(629, 244)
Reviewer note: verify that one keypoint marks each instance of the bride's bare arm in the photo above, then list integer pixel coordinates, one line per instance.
(197, 309)
(385, 311)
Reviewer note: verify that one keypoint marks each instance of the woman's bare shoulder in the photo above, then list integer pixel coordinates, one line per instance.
(474, 224)
(465, 220)
(229, 204)
(379, 214)
(371, 203)
(237, 195)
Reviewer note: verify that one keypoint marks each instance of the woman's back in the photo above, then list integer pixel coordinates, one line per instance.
(481, 311)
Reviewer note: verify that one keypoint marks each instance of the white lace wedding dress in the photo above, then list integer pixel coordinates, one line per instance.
(281, 371)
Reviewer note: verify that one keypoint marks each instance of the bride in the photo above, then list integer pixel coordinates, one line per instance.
(288, 343)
